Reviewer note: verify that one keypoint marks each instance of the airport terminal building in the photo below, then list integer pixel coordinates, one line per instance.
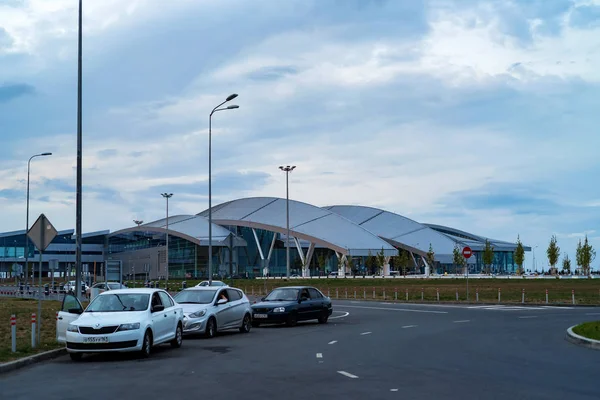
(249, 239)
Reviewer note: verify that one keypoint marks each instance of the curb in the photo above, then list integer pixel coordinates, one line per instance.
(34, 359)
(581, 341)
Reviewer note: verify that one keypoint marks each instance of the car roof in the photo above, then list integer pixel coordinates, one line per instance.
(295, 287)
(201, 288)
(132, 291)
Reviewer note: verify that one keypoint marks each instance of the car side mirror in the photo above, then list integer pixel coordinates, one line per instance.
(221, 301)
(158, 308)
(75, 311)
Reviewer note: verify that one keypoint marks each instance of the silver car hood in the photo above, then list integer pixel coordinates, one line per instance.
(192, 308)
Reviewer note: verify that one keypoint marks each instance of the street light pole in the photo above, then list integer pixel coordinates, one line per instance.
(232, 107)
(167, 196)
(27, 217)
(138, 222)
(287, 169)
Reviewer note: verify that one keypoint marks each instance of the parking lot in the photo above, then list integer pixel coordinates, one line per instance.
(373, 349)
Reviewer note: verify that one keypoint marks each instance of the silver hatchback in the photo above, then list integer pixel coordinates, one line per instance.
(211, 309)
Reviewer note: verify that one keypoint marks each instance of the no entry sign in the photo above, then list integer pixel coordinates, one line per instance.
(467, 252)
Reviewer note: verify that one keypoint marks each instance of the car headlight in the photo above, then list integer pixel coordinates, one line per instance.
(129, 327)
(198, 314)
(279, 309)
(72, 328)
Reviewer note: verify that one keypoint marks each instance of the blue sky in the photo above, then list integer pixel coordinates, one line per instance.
(481, 115)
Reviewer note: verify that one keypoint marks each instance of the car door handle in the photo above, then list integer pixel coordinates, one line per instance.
(60, 318)
(165, 315)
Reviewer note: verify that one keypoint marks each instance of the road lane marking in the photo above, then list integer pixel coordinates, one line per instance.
(528, 316)
(346, 313)
(393, 390)
(319, 355)
(396, 309)
(387, 304)
(332, 342)
(349, 375)
(366, 333)
(409, 326)
(565, 308)
(464, 320)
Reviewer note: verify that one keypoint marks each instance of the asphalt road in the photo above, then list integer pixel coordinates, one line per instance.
(377, 351)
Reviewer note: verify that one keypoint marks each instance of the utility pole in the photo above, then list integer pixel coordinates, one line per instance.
(78, 237)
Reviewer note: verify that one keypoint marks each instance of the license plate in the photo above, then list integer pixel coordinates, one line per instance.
(96, 339)
(261, 316)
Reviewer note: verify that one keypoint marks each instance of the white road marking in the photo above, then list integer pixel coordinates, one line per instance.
(393, 390)
(366, 333)
(349, 375)
(346, 313)
(332, 342)
(319, 355)
(409, 326)
(464, 320)
(394, 309)
(529, 316)
(387, 304)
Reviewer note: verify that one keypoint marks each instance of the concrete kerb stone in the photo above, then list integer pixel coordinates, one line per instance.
(34, 359)
(582, 341)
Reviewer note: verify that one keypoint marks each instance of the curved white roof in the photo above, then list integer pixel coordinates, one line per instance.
(307, 222)
(476, 242)
(398, 230)
(190, 227)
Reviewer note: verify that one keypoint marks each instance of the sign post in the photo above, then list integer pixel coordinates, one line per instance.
(467, 253)
(41, 233)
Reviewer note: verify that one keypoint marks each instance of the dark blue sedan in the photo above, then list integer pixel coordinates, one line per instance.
(292, 304)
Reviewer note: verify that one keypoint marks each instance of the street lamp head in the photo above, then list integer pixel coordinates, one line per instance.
(231, 97)
(167, 195)
(46, 154)
(232, 107)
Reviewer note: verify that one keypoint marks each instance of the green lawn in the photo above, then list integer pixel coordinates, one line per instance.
(587, 291)
(590, 330)
(22, 309)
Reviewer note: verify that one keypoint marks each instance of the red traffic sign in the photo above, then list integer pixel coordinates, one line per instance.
(467, 252)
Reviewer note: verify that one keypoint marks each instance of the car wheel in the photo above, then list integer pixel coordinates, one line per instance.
(146, 345)
(211, 328)
(176, 343)
(292, 320)
(324, 317)
(246, 324)
(76, 356)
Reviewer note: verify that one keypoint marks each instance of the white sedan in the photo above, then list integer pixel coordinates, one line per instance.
(128, 320)
(209, 309)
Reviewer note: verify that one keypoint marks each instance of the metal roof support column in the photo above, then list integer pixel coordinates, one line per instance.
(266, 269)
(300, 253)
(342, 260)
(427, 267)
(306, 263)
(386, 266)
(414, 259)
(260, 252)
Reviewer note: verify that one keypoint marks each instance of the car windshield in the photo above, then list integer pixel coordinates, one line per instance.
(195, 296)
(119, 302)
(282, 295)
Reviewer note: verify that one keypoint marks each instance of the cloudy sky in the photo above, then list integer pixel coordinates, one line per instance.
(481, 115)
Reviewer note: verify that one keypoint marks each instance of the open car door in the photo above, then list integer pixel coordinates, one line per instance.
(70, 310)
